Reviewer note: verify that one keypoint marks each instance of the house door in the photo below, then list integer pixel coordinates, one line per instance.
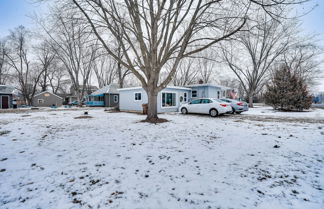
(4, 102)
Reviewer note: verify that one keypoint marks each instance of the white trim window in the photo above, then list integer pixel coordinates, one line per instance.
(138, 96)
(115, 98)
(194, 93)
(185, 97)
(40, 101)
(169, 99)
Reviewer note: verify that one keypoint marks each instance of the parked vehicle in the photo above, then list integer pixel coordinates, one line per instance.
(213, 107)
(75, 103)
(237, 106)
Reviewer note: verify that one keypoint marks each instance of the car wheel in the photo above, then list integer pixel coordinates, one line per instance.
(213, 112)
(184, 111)
(233, 110)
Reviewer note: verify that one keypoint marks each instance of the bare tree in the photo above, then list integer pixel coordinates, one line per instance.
(187, 72)
(74, 46)
(105, 70)
(159, 32)
(207, 65)
(122, 72)
(45, 56)
(27, 74)
(4, 67)
(256, 50)
(57, 77)
(303, 59)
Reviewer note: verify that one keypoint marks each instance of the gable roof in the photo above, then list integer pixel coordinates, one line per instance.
(209, 84)
(168, 87)
(47, 93)
(111, 89)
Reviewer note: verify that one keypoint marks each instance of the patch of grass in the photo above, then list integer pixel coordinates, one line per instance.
(238, 121)
(83, 117)
(4, 132)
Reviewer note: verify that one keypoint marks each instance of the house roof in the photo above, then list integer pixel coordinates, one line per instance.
(109, 89)
(4, 89)
(47, 93)
(209, 84)
(168, 87)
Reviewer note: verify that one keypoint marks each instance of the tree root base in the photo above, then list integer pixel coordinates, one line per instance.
(155, 120)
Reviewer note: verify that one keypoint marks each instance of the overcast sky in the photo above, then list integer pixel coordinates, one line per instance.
(16, 12)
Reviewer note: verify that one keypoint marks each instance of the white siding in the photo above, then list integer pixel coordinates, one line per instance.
(127, 99)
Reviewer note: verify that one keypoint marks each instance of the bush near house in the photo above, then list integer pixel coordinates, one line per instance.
(287, 91)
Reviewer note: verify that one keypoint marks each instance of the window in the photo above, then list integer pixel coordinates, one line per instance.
(181, 98)
(168, 99)
(47, 95)
(205, 101)
(194, 93)
(40, 101)
(138, 96)
(96, 98)
(218, 93)
(197, 101)
(185, 97)
(115, 98)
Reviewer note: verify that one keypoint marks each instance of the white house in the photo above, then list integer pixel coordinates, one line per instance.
(168, 99)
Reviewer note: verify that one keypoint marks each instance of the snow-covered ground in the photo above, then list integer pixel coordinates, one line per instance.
(52, 160)
(269, 111)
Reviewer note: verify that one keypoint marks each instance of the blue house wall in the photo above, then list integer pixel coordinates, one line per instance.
(207, 92)
(95, 100)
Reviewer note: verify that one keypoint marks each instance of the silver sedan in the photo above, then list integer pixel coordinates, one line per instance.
(237, 106)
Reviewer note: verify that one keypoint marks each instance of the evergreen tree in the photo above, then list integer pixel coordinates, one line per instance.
(287, 91)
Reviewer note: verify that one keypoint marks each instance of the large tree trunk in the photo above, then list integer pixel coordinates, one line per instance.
(79, 97)
(121, 77)
(44, 84)
(250, 100)
(29, 101)
(152, 105)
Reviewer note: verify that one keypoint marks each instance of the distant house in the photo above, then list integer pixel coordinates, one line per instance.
(6, 96)
(210, 91)
(168, 99)
(108, 96)
(318, 98)
(47, 99)
(71, 98)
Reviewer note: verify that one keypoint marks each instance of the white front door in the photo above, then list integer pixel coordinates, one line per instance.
(183, 98)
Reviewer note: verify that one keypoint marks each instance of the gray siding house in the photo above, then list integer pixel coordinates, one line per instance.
(6, 96)
(47, 99)
(209, 91)
(168, 99)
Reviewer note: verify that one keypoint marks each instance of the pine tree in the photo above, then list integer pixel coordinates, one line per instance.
(287, 91)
